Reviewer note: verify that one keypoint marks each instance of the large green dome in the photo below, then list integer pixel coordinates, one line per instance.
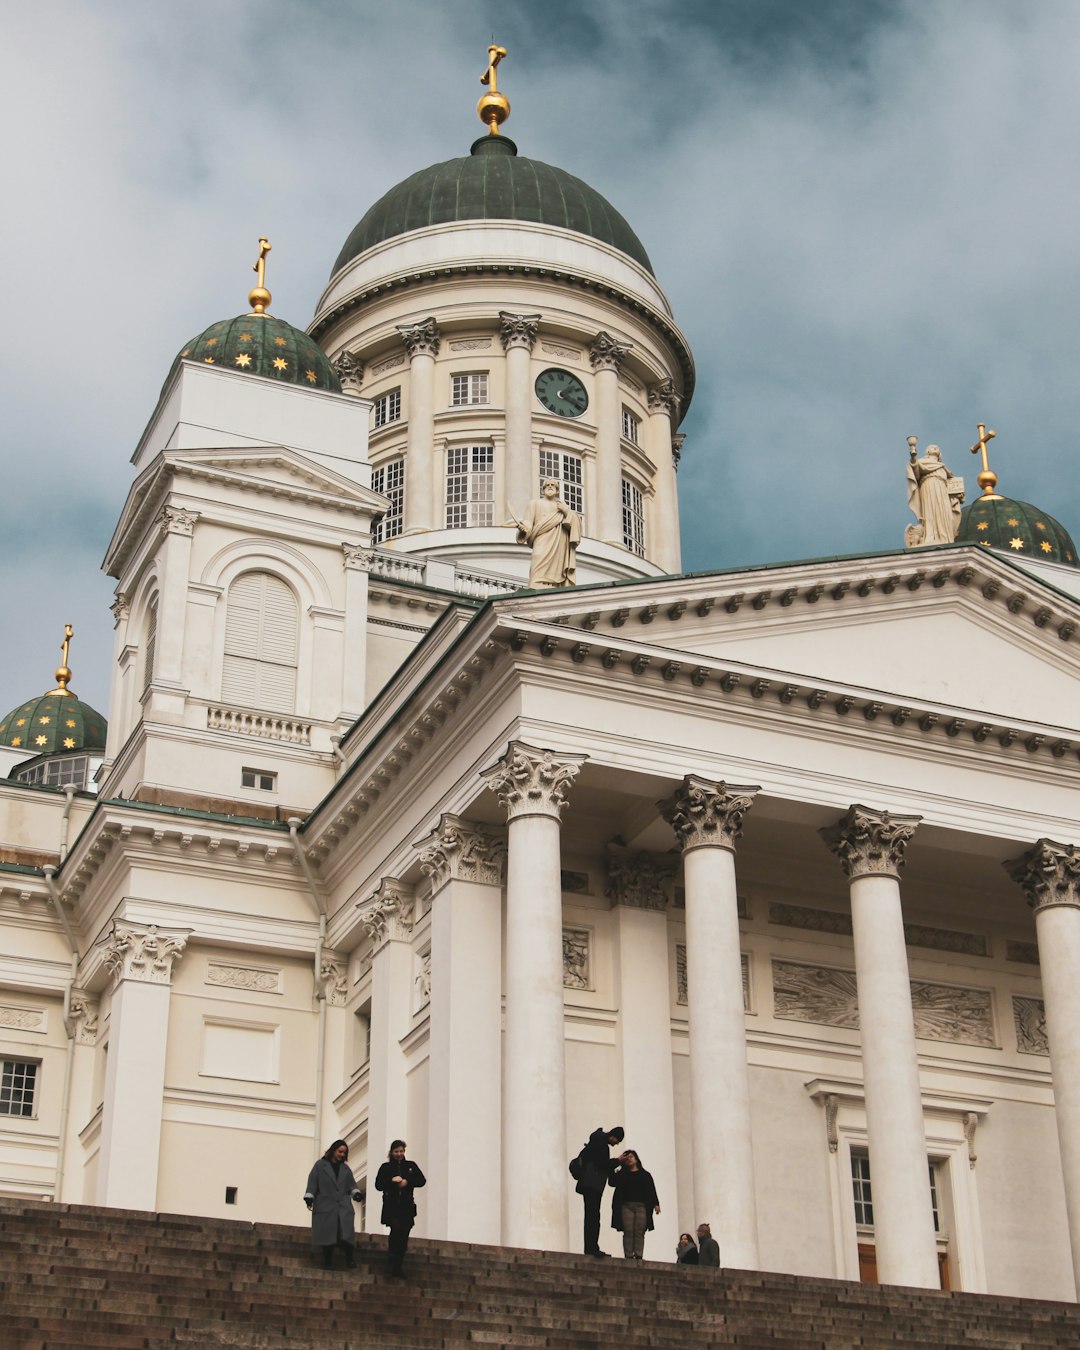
(494, 182)
(1017, 528)
(260, 344)
(54, 723)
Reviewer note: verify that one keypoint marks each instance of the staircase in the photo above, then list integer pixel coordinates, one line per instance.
(74, 1277)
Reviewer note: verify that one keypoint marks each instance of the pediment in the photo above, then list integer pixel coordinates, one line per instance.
(272, 465)
(985, 637)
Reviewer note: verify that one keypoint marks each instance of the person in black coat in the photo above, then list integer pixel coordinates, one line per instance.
(686, 1253)
(595, 1168)
(708, 1247)
(633, 1204)
(398, 1178)
(331, 1190)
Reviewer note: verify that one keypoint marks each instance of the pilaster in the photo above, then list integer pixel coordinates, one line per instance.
(422, 341)
(518, 334)
(663, 409)
(606, 356)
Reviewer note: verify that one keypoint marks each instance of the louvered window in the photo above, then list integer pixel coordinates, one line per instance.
(261, 641)
(150, 644)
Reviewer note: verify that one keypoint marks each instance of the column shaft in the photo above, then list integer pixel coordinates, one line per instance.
(534, 1124)
(354, 656)
(723, 1154)
(606, 513)
(420, 446)
(391, 1005)
(903, 1219)
(664, 549)
(518, 336)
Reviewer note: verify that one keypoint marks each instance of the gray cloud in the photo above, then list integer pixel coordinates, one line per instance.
(863, 213)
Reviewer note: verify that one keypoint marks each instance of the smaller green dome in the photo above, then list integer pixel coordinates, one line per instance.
(1017, 528)
(260, 344)
(54, 723)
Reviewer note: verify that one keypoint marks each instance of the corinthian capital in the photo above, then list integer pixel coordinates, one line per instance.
(121, 608)
(143, 952)
(663, 398)
(175, 521)
(708, 815)
(357, 558)
(1048, 873)
(606, 353)
(638, 880)
(389, 914)
(461, 851)
(518, 330)
(676, 449)
(350, 371)
(531, 782)
(869, 842)
(421, 339)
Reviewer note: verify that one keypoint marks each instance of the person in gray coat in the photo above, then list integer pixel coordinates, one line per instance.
(708, 1247)
(331, 1190)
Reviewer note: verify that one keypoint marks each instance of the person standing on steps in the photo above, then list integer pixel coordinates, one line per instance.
(686, 1253)
(633, 1204)
(593, 1170)
(708, 1247)
(331, 1190)
(398, 1178)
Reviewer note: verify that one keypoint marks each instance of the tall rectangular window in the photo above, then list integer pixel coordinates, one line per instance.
(18, 1081)
(470, 486)
(631, 426)
(387, 407)
(389, 480)
(633, 518)
(860, 1187)
(567, 470)
(470, 388)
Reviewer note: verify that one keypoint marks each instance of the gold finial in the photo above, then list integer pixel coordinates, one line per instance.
(987, 479)
(259, 297)
(493, 108)
(63, 671)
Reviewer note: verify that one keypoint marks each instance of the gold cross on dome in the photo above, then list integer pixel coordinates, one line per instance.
(987, 479)
(495, 55)
(259, 267)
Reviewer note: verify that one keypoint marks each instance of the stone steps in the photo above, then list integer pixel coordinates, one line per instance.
(79, 1278)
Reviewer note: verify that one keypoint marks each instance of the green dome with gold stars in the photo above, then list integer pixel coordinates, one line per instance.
(54, 723)
(260, 344)
(1017, 528)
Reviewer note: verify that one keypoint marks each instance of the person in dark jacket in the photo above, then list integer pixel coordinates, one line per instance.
(708, 1247)
(595, 1160)
(331, 1190)
(633, 1204)
(686, 1253)
(398, 1178)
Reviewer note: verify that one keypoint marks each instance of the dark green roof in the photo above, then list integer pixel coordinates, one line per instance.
(55, 723)
(1017, 528)
(494, 182)
(260, 344)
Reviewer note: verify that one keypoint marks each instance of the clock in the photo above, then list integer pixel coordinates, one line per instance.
(562, 393)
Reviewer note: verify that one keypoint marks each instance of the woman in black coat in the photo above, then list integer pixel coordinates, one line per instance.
(331, 1190)
(398, 1178)
(633, 1204)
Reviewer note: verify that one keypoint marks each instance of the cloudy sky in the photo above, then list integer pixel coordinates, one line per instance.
(864, 212)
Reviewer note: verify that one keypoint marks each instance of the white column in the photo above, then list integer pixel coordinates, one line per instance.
(388, 917)
(140, 958)
(464, 1190)
(532, 784)
(1050, 876)
(665, 549)
(638, 889)
(607, 355)
(177, 528)
(708, 818)
(123, 672)
(357, 561)
(422, 340)
(870, 845)
(518, 333)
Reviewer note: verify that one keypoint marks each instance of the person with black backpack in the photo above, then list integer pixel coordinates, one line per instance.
(591, 1169)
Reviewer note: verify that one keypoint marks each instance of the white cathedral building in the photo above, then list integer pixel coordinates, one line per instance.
(779, 869)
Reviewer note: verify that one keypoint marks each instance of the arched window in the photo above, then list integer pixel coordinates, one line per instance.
(261, 638)
(149, 643)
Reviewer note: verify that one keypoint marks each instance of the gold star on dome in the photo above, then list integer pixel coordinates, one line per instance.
(209, 360)
(41, 740)
(1039, 525)
(210, 342)
(1013, 522)
(1047, 546)
(246, 337)
(20, 721)
(243, 359)
(280, 363)
(70, 722)
(16, 740)
(985, 543)
(983, 525)
(1016, 543)
(310, 376)
(279, 342)
(44, 721)
(69, 743)
(185, 351)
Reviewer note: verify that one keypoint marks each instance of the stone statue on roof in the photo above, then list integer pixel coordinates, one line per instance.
(934, 495)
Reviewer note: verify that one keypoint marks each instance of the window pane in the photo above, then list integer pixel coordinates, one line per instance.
(389, 481)
(17, 1080)
(633, 518)
(567, 470)
(470, 486)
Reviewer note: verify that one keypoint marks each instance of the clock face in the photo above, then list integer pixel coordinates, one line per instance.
(562, 393)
